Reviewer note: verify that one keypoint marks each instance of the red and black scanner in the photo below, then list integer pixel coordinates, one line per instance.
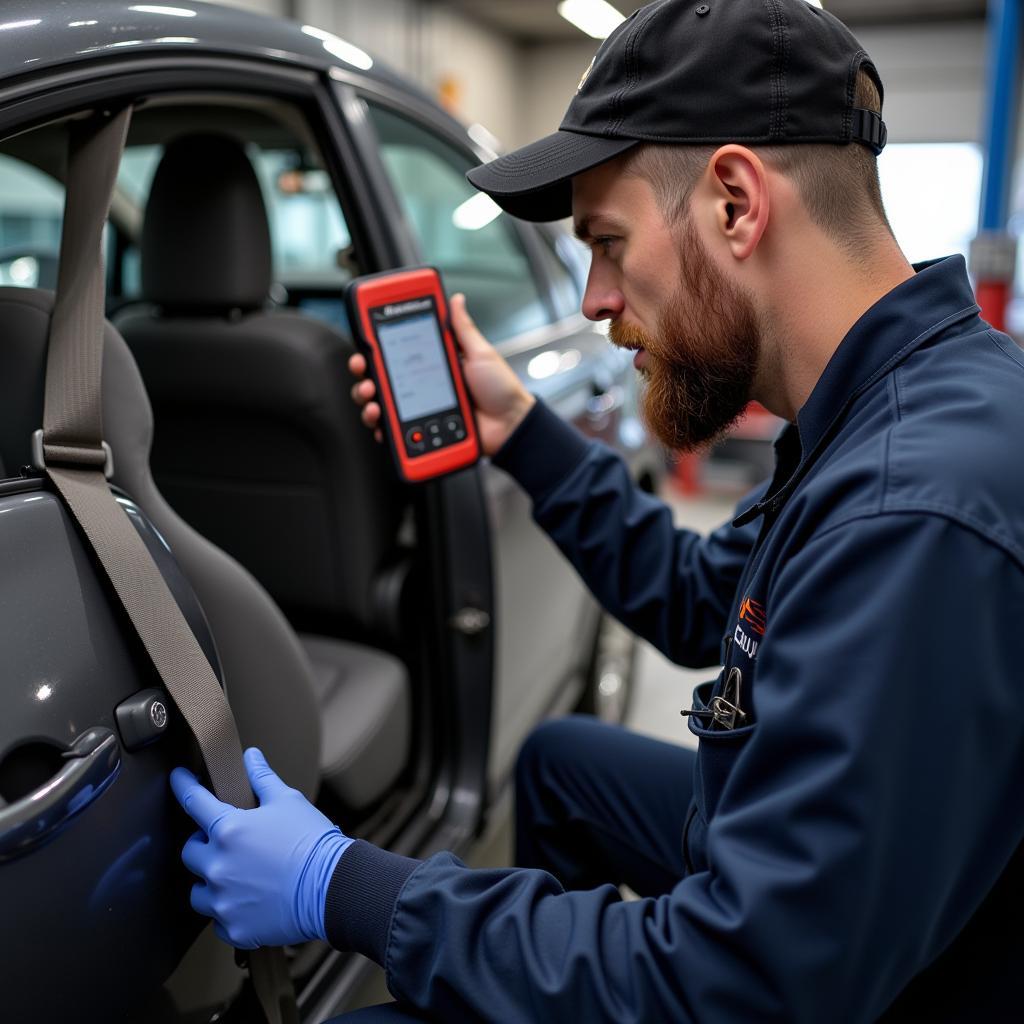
(400, 323)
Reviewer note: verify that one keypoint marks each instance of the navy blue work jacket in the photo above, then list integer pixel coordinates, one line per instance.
(853, 850)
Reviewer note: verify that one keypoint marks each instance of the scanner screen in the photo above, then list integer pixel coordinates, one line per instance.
(421, 380)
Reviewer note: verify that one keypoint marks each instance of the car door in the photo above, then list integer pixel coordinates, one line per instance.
(525, 299)
(134, 848)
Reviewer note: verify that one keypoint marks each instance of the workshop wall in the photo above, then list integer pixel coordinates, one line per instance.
(475, 71)
(934, 77)
(934, 74)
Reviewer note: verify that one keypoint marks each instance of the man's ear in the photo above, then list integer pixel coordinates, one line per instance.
(738, 187)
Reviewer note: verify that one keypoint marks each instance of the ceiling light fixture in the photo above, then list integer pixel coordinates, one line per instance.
(595, 17)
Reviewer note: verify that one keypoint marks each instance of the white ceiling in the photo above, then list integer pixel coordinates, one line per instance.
(536, 21)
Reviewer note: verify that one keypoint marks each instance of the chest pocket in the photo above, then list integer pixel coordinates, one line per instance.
(716, 755)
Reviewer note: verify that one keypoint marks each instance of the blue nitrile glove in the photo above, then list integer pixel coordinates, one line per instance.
(264, 871)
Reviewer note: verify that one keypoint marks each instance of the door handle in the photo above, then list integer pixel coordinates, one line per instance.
(92, 764)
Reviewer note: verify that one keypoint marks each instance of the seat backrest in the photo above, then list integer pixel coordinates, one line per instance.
(267, 675)
(258, 444)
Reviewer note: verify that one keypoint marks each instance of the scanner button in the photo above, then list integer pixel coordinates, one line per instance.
(438, 442)
(414, 438)
(434, 427)
(454, 425)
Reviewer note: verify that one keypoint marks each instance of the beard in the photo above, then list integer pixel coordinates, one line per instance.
(701, 363)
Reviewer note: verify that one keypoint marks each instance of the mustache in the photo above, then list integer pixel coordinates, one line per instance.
(628, 336)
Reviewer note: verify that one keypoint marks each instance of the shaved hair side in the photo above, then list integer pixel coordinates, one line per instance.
(838, 184)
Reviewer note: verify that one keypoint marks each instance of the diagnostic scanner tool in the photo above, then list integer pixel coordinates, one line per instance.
(400, 321)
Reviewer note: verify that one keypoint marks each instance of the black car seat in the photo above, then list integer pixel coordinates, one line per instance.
(267, 674)
(277, 693)
(259, 447)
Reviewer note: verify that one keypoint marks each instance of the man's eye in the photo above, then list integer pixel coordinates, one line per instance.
(604, 243)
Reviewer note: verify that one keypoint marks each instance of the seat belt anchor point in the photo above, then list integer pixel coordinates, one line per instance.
(39, 456)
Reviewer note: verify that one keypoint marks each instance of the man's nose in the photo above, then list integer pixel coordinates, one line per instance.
(602, 300)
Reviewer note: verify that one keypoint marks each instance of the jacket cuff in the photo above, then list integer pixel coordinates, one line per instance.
(542, 451)
(361, 898)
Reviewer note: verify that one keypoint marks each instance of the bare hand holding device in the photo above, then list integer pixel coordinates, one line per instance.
(499, 398)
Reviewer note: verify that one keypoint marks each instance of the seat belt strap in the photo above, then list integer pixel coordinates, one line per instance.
(78, 462)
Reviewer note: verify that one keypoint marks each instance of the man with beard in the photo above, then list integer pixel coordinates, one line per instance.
(844, 844)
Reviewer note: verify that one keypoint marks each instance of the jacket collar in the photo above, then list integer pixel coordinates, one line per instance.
(937, 297)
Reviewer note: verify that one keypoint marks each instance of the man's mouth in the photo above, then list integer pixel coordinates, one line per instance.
(639, 360)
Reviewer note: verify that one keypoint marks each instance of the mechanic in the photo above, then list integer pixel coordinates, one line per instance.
(846, 842)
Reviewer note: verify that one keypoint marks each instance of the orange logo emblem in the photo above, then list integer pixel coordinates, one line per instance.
(753, 612)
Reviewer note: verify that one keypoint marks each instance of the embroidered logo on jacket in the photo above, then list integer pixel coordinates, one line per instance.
(753, 613)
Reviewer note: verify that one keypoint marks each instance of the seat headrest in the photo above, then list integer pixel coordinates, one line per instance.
(205, 237)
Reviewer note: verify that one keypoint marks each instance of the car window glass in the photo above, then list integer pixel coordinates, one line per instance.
(309, 236)
(31, 208)
(308, 231)
(459, 230)
(565, 263)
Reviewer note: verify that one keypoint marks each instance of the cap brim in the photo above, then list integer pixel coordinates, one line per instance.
(535, 182)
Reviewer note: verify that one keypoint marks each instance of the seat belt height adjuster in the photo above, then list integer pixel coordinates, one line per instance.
(89, 456)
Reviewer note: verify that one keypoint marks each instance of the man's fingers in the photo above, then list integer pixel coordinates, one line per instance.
(264, 780)
(222, 934)
(196, 800)
(193, 854)
(371, 414)
(363, 391)
(201, 900)
(357, 365)
(467, 334)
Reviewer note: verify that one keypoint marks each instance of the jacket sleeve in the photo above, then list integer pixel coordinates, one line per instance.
(671, 586)
(850, 845)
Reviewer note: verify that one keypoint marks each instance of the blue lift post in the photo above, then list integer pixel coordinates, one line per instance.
(994, 252)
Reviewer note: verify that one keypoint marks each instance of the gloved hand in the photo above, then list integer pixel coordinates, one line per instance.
(264, 871)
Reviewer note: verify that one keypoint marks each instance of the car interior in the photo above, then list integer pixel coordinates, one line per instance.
(260, 447)
(228, 406)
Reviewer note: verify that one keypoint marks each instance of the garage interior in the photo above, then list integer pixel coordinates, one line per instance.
(952, 178)
(508, 69)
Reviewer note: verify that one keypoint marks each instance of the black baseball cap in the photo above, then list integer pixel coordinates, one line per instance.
(756, 72)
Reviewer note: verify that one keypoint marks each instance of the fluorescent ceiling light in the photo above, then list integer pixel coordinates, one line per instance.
(595, 17)
(476, 212)
(816, 3)
(337, 47)
(19, 24)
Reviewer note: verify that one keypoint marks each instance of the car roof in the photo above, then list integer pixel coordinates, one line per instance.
(40, 34)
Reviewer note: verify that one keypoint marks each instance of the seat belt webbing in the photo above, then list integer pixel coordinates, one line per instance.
(75, 459)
